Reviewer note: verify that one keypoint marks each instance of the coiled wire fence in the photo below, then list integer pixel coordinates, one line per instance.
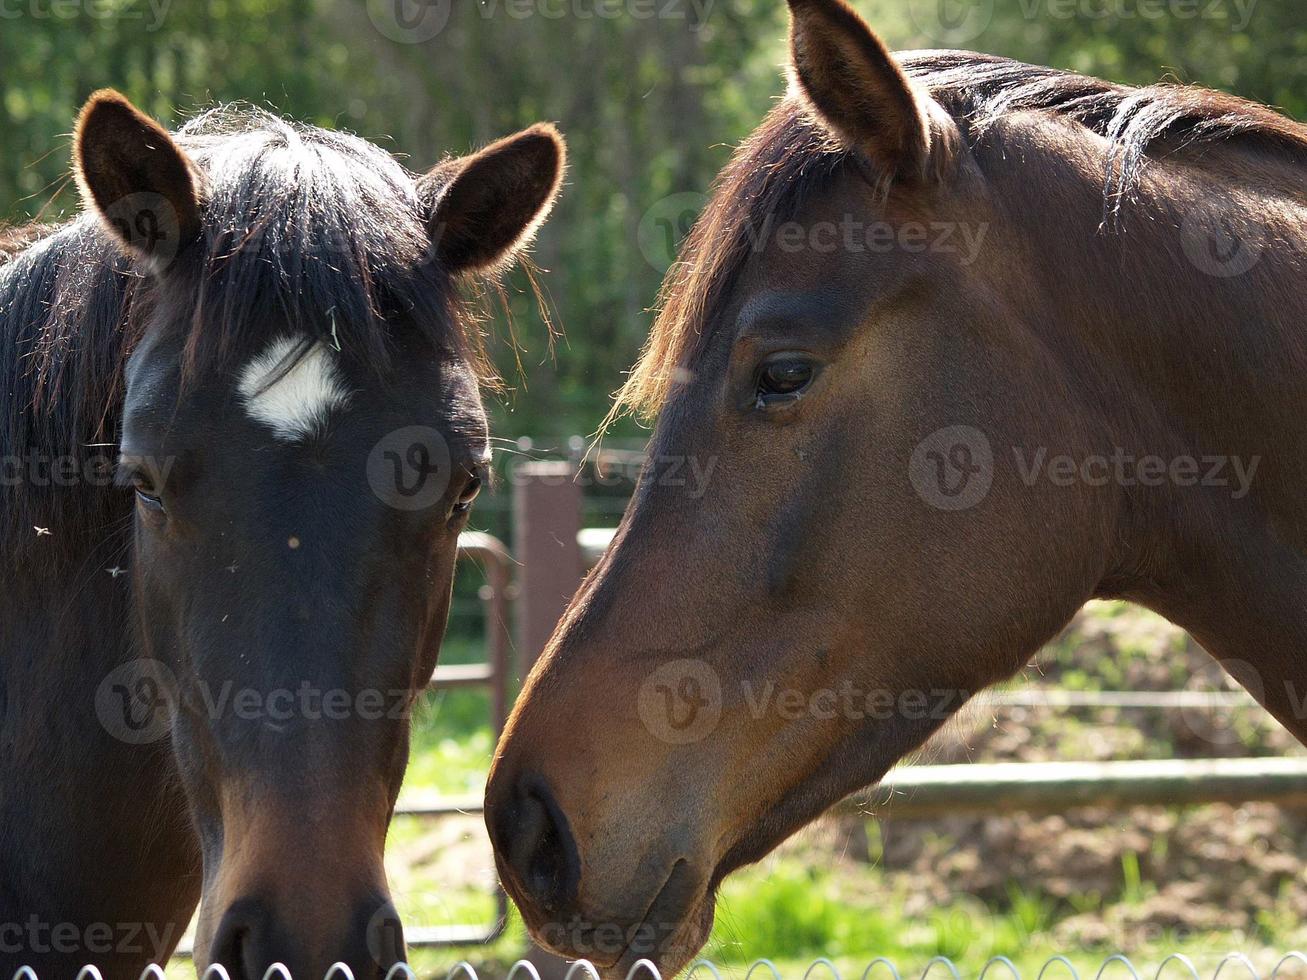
(1176, 966)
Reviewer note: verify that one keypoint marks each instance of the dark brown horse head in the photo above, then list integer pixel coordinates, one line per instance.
(303, 430)
(889, 292)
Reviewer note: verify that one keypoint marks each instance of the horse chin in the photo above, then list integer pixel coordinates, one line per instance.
(672, 930)
(672, 954)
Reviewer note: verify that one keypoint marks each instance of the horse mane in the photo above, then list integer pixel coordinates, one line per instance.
(790, 155)
(318, 229)
(63, 303)
(14, 239)
(984, 88)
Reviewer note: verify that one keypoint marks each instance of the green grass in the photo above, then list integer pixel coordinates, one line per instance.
(790, 910)
(792, 913)
(452, 740)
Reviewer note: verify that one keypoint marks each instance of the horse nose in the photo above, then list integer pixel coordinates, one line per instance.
(531, 832)
(240, 935)
(251, 937)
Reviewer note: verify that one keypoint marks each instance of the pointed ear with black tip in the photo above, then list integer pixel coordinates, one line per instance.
(140, 182)
(486, 207)
(860, 93)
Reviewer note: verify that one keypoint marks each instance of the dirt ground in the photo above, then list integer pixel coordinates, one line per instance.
(1211, 868)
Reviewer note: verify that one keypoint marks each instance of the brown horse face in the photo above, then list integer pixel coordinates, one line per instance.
(294, 600)
(859, 561)
(298, 499)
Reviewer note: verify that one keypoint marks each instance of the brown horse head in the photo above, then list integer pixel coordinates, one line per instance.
(902, 301)
(302, 439)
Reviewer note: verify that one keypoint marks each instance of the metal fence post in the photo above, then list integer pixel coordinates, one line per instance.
(546, 520)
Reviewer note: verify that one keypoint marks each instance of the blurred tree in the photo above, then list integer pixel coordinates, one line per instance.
(653, 94)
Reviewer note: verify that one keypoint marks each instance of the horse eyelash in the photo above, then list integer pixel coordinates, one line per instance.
(126, 473)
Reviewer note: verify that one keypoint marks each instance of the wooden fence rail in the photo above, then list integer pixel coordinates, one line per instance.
(1039, 787)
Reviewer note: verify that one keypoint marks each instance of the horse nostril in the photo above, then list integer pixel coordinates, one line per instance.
(541, 849)
(254, 934)
(233, 944)
(384, 935)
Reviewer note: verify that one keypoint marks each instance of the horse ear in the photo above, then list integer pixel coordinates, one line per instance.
(140, 182)
(858, 90)
(486, 207)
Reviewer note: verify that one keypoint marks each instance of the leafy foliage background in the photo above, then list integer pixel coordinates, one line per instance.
(651, 95)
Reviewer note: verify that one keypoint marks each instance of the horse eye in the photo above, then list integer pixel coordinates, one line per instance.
(149, 501)
(469, 494)
(783, 378)
(146, 492)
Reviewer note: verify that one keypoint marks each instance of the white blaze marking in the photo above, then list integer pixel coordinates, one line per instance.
(296, 404)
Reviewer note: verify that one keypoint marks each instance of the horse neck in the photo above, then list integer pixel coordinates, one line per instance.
(99, 827)
(64, 606)
(66, 611)
(1174, 350)
(1176, 356)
